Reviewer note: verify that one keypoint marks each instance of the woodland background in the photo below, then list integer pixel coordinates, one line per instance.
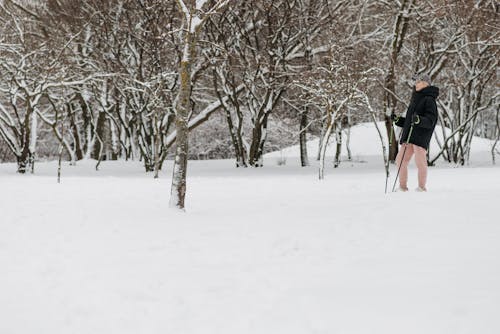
(100, 79)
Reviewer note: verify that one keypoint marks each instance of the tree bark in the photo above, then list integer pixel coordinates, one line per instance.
(25, 159)
(75, 132)
(390, 101)
(304, 159)
(338, 151)
(183, 107)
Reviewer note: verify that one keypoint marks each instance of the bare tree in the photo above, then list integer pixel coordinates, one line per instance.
(128, 79)
(473, 59)
(195, 16)
(399, 34)
(336, 83)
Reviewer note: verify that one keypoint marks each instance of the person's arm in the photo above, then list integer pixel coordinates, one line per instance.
(429, 118)
(398, 120)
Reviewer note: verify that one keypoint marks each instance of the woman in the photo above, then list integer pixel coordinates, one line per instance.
(418, 126)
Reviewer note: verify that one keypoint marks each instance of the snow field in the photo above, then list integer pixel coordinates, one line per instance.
(270, 250)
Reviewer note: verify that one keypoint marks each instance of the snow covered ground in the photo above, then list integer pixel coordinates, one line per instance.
(365, 142)
(270, 250)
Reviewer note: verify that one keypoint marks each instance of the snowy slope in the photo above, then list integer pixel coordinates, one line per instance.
(268, 250)
(365, 141)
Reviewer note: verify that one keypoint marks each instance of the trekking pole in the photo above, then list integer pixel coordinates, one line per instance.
(403, 157)
(388, 153)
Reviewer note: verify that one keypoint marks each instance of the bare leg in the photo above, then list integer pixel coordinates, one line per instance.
(421, 162)
(407, 150)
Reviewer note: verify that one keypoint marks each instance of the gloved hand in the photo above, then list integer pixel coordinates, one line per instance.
(415, 119)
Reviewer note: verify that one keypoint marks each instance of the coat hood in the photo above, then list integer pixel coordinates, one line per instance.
(430, 91)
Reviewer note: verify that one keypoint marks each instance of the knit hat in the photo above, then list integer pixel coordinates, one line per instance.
(422, 77)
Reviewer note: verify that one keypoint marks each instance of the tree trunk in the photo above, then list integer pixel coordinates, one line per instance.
(183, 107)
(259, 136)
(497, 136)
(348, 143)
(98, 141)
(393, 141)
(390, 101)
(25, 158)
(324, 144)
(338, 151)
(75, 131)
(157, 144)
(304, 159)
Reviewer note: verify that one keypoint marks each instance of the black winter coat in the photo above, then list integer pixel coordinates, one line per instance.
(423, 104)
